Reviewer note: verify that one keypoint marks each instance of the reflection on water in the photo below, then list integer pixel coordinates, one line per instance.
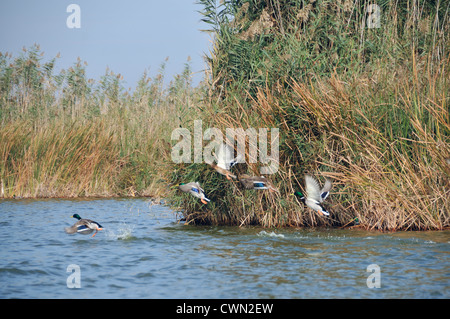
(144, 253)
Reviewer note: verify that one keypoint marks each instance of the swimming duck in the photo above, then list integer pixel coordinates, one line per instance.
(314, 194)
(194, 189)
(225, 161)
(256, 182)
(83, 226)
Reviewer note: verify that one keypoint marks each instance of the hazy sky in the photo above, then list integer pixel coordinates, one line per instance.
(126, 36)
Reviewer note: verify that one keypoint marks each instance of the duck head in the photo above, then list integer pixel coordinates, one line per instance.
(300, 196)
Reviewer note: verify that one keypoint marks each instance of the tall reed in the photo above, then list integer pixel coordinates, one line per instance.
(367, 107)
(64, 135)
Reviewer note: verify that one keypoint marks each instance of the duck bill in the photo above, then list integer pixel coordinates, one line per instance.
(204, 201)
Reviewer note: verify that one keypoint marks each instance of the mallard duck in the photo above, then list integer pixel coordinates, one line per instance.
(256, 182)
(83, 226)
(314, 194)
(194, 189)
(225, 161)
(223, 171)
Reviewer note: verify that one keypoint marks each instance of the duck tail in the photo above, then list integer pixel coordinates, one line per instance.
(273, 189)
(70, 230)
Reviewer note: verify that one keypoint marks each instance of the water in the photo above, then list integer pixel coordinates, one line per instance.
(144, 253)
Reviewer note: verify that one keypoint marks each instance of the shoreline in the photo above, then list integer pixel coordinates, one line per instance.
(347, 226)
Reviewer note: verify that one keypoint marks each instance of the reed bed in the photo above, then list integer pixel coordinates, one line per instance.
(367, 108)
(63, 135)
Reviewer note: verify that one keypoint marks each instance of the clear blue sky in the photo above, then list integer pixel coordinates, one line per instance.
(129, 37)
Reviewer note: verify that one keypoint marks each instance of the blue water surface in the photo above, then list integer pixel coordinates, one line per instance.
(144, 253)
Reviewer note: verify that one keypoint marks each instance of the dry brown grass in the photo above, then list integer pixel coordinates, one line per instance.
(386, 153)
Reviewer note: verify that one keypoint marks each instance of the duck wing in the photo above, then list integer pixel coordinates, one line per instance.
(188, 187)
(199, 192)
(197, 185)
(225, 157)
(93, 224)
(235, 160)
(83, 226)
(259, 185)
(312, 188)
(325, 190)
(246, 181)
(84, 229)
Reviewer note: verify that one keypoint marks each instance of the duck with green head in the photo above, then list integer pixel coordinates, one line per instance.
(315, 194)
(83, 226)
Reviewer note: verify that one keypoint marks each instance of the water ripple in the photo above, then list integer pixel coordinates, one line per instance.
(143, 253)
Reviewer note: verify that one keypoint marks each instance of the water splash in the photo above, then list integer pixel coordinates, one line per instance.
(263, 233)
(124, 232)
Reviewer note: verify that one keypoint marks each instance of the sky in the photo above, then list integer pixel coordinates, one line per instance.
(128, 37)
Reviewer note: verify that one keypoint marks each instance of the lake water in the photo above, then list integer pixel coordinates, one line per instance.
(144, 253)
